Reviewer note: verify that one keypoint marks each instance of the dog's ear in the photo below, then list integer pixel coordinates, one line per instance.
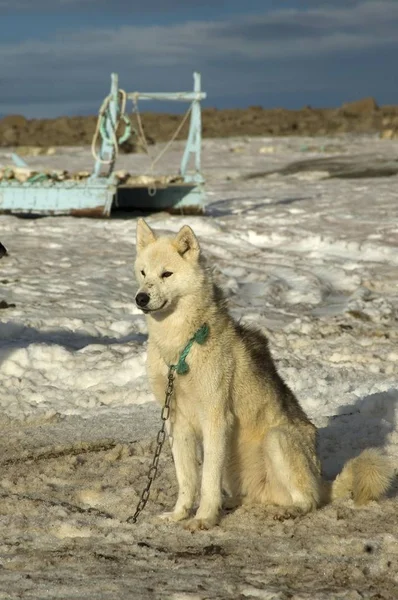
(145, 235)
(187, 243)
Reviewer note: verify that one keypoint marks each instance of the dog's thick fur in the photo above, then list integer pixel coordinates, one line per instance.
(257, 443)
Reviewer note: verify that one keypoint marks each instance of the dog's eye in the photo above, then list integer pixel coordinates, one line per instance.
(167, 274)
(143, 273)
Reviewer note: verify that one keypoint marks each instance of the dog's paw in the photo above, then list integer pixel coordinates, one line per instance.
(174, 516)
(198, 524)
(285, 514)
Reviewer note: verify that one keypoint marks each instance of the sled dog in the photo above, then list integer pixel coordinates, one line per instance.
(255, 442)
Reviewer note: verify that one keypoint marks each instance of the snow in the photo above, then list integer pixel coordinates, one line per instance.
(311, 261)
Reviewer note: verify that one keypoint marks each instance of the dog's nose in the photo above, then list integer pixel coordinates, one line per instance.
(142, 299)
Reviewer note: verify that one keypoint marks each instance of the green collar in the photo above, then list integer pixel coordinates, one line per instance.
(182, 367)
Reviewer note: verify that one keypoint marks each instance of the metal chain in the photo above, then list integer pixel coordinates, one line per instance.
(160, 438)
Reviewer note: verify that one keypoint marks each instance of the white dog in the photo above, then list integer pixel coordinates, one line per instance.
(257, 443)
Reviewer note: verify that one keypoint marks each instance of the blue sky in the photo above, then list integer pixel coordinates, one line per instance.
(56, 59)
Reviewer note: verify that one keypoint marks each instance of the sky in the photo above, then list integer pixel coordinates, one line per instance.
(56, 56)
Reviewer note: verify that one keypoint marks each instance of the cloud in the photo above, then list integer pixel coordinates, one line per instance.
(334, 3)
(128, 6)
(278, 51)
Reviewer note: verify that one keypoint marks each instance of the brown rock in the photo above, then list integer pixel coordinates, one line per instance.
(389, 134)
(364, 106)
(9, 137)
(18, 121)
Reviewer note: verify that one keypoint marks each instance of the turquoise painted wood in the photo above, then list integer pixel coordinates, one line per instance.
(97, 195)
(91, 199)
(18, 161)
(190, 197)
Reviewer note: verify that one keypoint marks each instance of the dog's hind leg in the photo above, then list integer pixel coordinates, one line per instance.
(184, 449)
(293, 471)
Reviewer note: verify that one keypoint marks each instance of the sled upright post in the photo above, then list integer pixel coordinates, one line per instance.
(107, 151)
(194, 141)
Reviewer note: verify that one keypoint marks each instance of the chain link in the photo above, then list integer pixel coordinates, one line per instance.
(160, 439)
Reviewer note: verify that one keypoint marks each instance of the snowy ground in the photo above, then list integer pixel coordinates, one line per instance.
(314, 263)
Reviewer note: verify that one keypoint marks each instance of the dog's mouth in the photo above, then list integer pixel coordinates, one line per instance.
(150, 310)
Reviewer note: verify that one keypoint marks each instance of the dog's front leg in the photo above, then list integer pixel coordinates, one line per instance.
(216, 428)
(184, 449)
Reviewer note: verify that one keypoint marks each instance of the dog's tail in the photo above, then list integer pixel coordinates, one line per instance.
(364, 478)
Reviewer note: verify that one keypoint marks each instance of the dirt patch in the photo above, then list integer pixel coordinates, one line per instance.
(348, 167)
(64, 532)
(361, 116)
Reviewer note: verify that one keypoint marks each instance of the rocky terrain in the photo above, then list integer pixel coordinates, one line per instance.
(362, 116)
